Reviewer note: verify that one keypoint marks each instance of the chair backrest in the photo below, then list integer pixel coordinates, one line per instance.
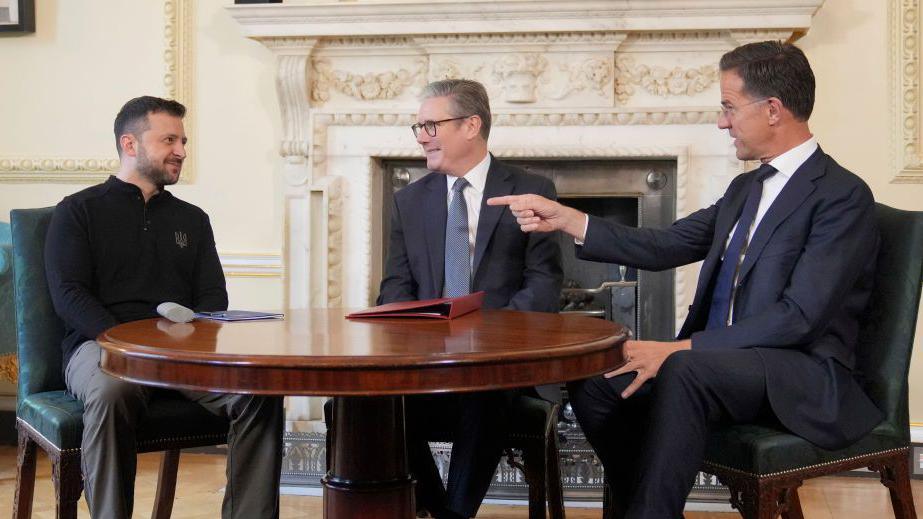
(7, 324)
(39, 330)
(4, 232)
(886, 335)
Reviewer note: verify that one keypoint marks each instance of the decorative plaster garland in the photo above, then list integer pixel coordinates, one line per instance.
(661, 81)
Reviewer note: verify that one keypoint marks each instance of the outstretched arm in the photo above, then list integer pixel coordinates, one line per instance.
(535, 213)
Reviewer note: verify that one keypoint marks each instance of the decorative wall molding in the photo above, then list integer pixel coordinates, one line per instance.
(661, 81)
(744, 36)
(329, 193)
(907, 149)
(364, 87)
(179, 23)
(178, 84)
(251, 265)
(559, 39)
(56, 170)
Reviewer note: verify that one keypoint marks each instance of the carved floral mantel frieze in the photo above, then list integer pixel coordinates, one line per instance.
(661, 81)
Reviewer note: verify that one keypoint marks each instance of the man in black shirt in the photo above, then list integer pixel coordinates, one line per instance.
(114, 252)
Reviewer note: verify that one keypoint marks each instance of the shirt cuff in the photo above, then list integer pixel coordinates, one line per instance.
(586, 225)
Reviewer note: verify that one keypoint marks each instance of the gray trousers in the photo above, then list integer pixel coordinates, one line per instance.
(112, 410)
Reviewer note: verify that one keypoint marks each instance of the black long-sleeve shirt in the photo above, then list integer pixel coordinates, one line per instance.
(110, 258)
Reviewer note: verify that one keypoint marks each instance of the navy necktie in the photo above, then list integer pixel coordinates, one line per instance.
(723, 291)
(457, 249)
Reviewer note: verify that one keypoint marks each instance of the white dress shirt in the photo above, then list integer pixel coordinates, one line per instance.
(473, 193)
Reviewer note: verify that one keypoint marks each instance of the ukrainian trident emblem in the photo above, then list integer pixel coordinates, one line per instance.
(181, 239)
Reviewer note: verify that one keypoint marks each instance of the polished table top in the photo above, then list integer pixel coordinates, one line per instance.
(319, 352)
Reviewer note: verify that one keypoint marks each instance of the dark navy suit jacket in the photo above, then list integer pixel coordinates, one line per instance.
(802, 286)
(516, 270)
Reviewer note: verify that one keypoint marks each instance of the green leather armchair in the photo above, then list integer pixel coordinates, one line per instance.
(764, 467)
(49, 417)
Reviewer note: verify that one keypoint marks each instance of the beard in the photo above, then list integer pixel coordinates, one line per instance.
(156, 174)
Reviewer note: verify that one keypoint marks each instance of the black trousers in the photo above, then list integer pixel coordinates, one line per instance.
(477, 424)
(652, 444)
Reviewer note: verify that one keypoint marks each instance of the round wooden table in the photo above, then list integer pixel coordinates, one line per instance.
(369, 362)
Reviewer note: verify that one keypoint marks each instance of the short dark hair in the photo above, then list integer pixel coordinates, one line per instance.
(774, 69)
(468, 98)
(132, 118)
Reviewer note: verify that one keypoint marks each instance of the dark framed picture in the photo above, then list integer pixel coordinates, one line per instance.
(17, 15)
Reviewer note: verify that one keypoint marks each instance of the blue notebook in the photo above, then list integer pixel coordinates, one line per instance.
(238, 315)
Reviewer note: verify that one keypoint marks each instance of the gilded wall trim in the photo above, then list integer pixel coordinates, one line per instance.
(56, 170)
(177, 80)
(179, 23)
(907, 149)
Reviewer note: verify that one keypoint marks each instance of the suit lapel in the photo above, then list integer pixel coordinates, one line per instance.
(498, 183)
(435, 212)
(727, 217)
(796, 190)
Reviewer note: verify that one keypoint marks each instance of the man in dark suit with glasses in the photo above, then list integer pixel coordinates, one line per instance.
(446, 242)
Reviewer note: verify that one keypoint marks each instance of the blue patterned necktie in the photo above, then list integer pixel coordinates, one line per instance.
(723, 292)
(457, 249)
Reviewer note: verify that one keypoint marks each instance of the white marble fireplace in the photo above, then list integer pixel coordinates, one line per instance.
(603, 79)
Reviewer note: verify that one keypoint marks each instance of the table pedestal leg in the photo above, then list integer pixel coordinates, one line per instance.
(368, 475)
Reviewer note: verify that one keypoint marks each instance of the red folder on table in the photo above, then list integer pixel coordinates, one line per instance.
(442, 308)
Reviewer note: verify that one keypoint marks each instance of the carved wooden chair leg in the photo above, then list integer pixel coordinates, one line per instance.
(25, 477)
(166, 485)
(533, 467)
(553, 479)
(895, 474)
(744, 495)
(68, 483)
(791, 507)
(772, 499)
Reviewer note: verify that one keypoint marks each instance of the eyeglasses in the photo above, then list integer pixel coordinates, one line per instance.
(730, 111)
(430, 126)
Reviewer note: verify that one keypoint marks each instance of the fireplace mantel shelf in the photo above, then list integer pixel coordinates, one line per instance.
(408, 17)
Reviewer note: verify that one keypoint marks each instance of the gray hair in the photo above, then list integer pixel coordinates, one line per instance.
(467, 98)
